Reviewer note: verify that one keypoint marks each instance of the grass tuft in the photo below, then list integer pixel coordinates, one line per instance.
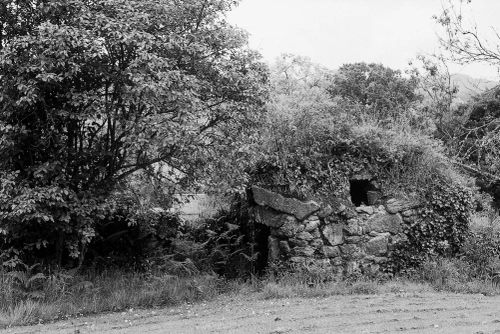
(109, 291)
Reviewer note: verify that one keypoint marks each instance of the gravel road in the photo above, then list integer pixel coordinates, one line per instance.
(383, 313)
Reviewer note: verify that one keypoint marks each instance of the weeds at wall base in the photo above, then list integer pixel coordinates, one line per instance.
(118, 291)
(112, 291)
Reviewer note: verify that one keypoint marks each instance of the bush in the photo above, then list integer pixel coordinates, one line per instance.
(225, 244)
(455, 275)
(481, 249)
(316, 161)
(61, 295)
(442, 228)
(130, 237)
(68, 141)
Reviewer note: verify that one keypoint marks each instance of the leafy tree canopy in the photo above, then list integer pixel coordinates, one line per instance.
(384, 90)
(92, 91)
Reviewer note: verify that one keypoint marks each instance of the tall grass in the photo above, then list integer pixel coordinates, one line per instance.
(61, 296)
(477, 268)
(28, 296)
(454, 275)
(290, 286)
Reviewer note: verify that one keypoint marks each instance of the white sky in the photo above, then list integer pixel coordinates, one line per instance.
(334, 32)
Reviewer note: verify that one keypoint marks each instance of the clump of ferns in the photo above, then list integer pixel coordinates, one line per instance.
(28, 282)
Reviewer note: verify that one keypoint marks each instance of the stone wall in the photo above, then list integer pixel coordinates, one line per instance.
(345, 239)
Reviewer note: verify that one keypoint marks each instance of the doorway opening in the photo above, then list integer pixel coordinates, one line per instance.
(261, 247)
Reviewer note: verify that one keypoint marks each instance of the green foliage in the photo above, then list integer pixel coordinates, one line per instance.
(446, 216)
(225, 244)
(472, 138)
(317, 162)
(439, 104)
(131, 237)
(383, 90)
(443, 272)
(62, 295)
(481, 249)
(455, 275)
(476, 140)
(313, 141)
(45, 219)
(93, 91)
(441, 229)
(28, 282)
(307, 274)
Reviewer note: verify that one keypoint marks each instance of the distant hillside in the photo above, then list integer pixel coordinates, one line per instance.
(469, 86)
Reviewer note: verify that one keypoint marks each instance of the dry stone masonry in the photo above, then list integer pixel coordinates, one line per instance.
(339, 237)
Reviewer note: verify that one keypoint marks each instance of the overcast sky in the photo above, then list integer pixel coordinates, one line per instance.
(334, 32)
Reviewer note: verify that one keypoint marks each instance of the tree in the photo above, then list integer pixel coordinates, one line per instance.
(93, 91)
(438, 106)
(463, 41)
(477, 138)
(299, 90)
(385, 91)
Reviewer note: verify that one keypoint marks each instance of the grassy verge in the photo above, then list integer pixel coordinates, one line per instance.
(289, 289)
(31, 299)
(272, 290)
(61, 298)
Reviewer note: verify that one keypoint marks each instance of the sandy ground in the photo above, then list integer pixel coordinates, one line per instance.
(385, 313)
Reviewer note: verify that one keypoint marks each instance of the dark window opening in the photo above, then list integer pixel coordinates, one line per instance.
(359, 191)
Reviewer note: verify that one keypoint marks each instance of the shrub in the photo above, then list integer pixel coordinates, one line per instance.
(481, 249)
(224, 244)
(443, 272)
(130, 237)
(455, 275)
(61, 295)
(441, 229)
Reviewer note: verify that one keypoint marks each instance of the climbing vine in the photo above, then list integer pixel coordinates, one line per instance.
(440, 229)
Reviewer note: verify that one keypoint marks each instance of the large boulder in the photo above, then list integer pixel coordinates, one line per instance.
(365, 209)
(292, 206)
(290, 227)
(352, 228)
(334, 234)
(331, 251)
(312, 225)
(395, 206)
(383, 222)
(325, 211)
(378, 245)
(269, 217)
(352, 251)
(305, 236)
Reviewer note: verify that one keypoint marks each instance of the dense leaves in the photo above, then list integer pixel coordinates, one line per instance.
(314, 141)
(384, 90)
(474, 136)
(442, 228)
(93, 91)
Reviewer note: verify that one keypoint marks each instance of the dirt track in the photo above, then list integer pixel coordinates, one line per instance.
(385, 313)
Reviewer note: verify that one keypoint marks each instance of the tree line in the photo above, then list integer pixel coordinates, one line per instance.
(148, 98)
